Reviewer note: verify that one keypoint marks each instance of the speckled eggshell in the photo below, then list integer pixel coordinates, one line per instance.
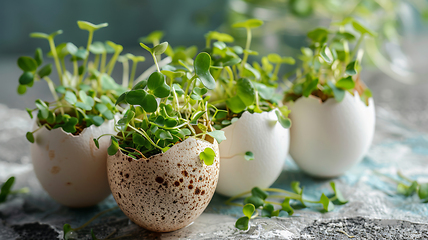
(167, 191)
(262, 134)
(71, 168)
(329, 138)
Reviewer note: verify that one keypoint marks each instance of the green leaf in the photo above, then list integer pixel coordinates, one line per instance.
(38, 56)
(423, 191)
(140, 85)
(412, 189)
(319, 35)
(6, 189)
(218, 135)
(351, 68)
(44, 109)
(138, 139)
(257, 192)
(326, 203)
(70, 97)
(326, 54)
(264, 91)
(98, 121)
(146, 47)
(22, 89)
(70, 125)
(66, 229)
(249, 156)
(296, 187)
(26, 78)
(160, 48)
(242, 223)
(196, 116)
(135, 97)
(27, 64)
(121, 98)
(309, 86)
(235, 104)
(267, 210)
(248, 210)
(256, 201)
(30, 137)
(285, 122)
(250, 23)
(149, 103)
(152, 37)
(339, 94)
(346, 83)
(222, 37)
(93, 235)
(232, 61)
(83, 106)
(114, 146)
(155, 80)
(97, 48)
(202, 66)
(245, 91)
(45, 71)
(208, 156)
(361, 29)
(274, 58)
(339, 197)
(84, 25)
(286, 206)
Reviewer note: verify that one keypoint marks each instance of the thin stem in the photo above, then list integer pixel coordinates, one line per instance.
(96, 61)
(142, 132)
(103, 62)
(125, 76)
(247, 48)
(52, 89)
(275, 203)
(386, 176)
(275, 72)
(112, 62)
(229, 201)
(55, 55)
(156, 62)
(91, 34)
(95, 217)
(404, 177)
(357, 46)
(134, 69)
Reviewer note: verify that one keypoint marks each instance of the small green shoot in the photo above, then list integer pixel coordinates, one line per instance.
(208, 156)
(259, 201)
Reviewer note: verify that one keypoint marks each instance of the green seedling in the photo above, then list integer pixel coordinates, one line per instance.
(331, 64)
(167, 108)
(85, 95)
(257, 200)
(6, 189)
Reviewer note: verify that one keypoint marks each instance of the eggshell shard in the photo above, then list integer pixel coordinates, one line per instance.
(262, 134)
(167, 191)
(71, 168)
(329, 138)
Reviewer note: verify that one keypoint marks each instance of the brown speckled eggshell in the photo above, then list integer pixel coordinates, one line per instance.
(167, 191)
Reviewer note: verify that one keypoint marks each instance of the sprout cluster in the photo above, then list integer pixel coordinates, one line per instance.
(331, 64)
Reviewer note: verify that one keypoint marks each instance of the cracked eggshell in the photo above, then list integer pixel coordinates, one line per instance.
(329, 138)
(262, 134)
(71, 168)
(167, 191)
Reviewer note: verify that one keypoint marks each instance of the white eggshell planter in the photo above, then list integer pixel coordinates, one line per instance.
(262, 134)
(71, 168)
(329, 138)
(167, 191)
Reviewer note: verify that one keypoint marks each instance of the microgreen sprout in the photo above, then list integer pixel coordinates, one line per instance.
(256, 201)
(167, 108)
(6, 189)
(86, 95)
(70, 233)
(408, 187)
(242, 86)
(332, 63)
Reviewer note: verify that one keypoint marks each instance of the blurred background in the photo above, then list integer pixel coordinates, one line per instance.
(395, 67)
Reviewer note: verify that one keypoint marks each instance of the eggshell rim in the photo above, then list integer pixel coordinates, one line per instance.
(332, 99)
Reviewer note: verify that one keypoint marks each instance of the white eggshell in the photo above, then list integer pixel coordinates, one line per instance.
(167, 191)
(329, 138)
(261, 134)
(71, 168)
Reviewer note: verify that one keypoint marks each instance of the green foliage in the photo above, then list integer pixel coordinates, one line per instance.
(408, 187)
(259, 200)
(329, 68)
(81, 98)
(249, 156)
(208, 156)
(241, 86)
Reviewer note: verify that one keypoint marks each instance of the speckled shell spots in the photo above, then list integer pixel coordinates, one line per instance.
(167, 191)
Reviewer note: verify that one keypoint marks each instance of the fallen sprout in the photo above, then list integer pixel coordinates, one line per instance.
(258, 202)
